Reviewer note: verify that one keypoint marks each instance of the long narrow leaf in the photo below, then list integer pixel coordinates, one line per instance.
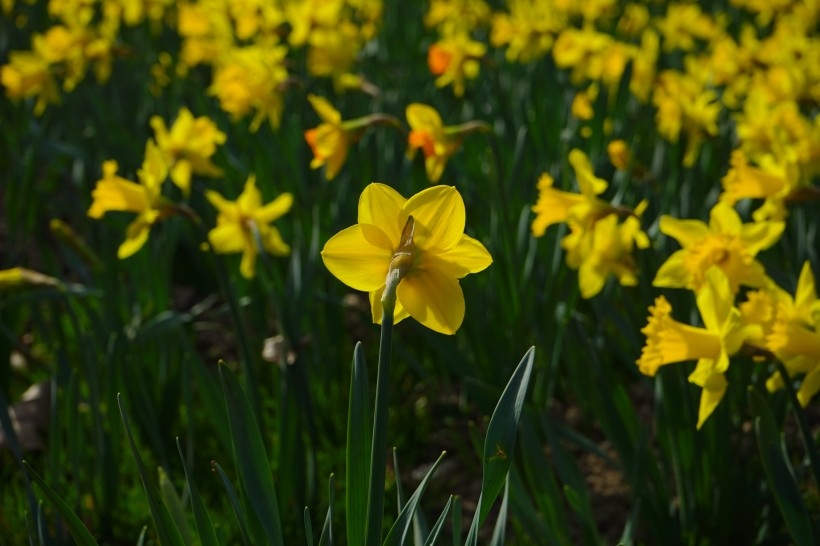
(439, 525)
(233, 498)
(500, 441)
(326, 538)
(166, 528)
(78, 531)
(398, 533)
(202, 520)
(501, 523)
(252, 458)
(359, 421)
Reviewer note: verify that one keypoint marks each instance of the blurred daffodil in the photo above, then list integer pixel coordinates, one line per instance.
(669, 341)
(188, 146)
(244, 225)
(114, 193)
(422, 240)
(795, 337)
(455, 59)
(436, 141)
(725, 242)
(331, 140)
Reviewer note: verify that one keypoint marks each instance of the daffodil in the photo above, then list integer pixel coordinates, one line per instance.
(114, 193)
(188, 146)
(455, 59)
(725, 242)
(794, 337)
(669, 341)
(245, 224)
(423, 239)
(555, 206)
(329, 141)
(436, 141)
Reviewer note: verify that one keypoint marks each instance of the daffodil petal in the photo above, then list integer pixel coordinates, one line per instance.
(723, 218)
(272, 241)
(468, 256)
(325, 110)
(381, 205)
(673, 273)
(275, 209)
(359, 256)
(399, 312)
(715, 299)
(226, 238)
(434, 299)
(759, 236)
(439, 217)
(686, 232)
(422, 116)
(248, 265)
(136, 236)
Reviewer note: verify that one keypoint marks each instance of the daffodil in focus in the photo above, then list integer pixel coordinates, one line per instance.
(436, 141)
(669, 341)
(114, 193)
(725, 242)
(188, 146)
(795, 337)
(245, 224)
(423, 239)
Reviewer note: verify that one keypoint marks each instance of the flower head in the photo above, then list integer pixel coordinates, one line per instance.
(188, 146)
(244, 225)
(329, 141)
(669, 341)
(423, 240)
(114, 193)
(725, 242)
(455, 59)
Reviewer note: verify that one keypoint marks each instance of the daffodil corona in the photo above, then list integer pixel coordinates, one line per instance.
(418, 241)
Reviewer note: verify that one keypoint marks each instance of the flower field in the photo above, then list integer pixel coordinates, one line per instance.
(536, 272)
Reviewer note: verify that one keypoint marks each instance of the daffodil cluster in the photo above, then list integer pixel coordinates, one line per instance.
(176, 154)
(600, 243)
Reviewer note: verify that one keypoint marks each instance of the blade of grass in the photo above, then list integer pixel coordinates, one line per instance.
(202, 520)
(233, 498)
(398, 533)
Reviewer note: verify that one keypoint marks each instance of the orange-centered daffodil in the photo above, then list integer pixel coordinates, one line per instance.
(421, 238)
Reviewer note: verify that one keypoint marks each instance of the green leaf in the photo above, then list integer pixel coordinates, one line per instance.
(398, 533)
(500, 441)
(251, 458)
(233, 498)
(166, 527)
(78, 531)
(359, 423)
(779, 472)
(326, 539)
(501, 523)
(457, 521)
(171, 499)
(439, 525)
(202, 520)
(308, 527)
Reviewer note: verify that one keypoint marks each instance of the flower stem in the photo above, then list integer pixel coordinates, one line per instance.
(805, 432)
(378, 456)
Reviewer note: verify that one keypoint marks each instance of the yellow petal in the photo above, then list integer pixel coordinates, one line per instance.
(439, 217)
(359, 256)
(759, 236)
(687, 232)
(714, 387)
(221, 204)
(250, 199)
(673, 273)
(468, 256)
(275, 209)
(248, 265)
(433, 299)
(117, 194)
(181, 176)
(715, 299)
(272, 241)
(226, 238)
(135, 237)
(591, 278)
(589, 184)
(723, 218)
(423, 117)
(809, 386)
(381, 206)
(325, 110)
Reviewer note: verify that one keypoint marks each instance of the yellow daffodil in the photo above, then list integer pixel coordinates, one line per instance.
(424, 238)
(795, 337)
(329, 141)
(114, 193)
(555, 206)
(610, 252)
(188, 146)
(772, 181)
(669, 341)
(725, 242)
(455, 59)
(245, 224)
(29, 75)
(436, 141)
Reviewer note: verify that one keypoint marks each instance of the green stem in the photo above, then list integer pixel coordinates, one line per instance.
(375, 496)
(805, 432)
